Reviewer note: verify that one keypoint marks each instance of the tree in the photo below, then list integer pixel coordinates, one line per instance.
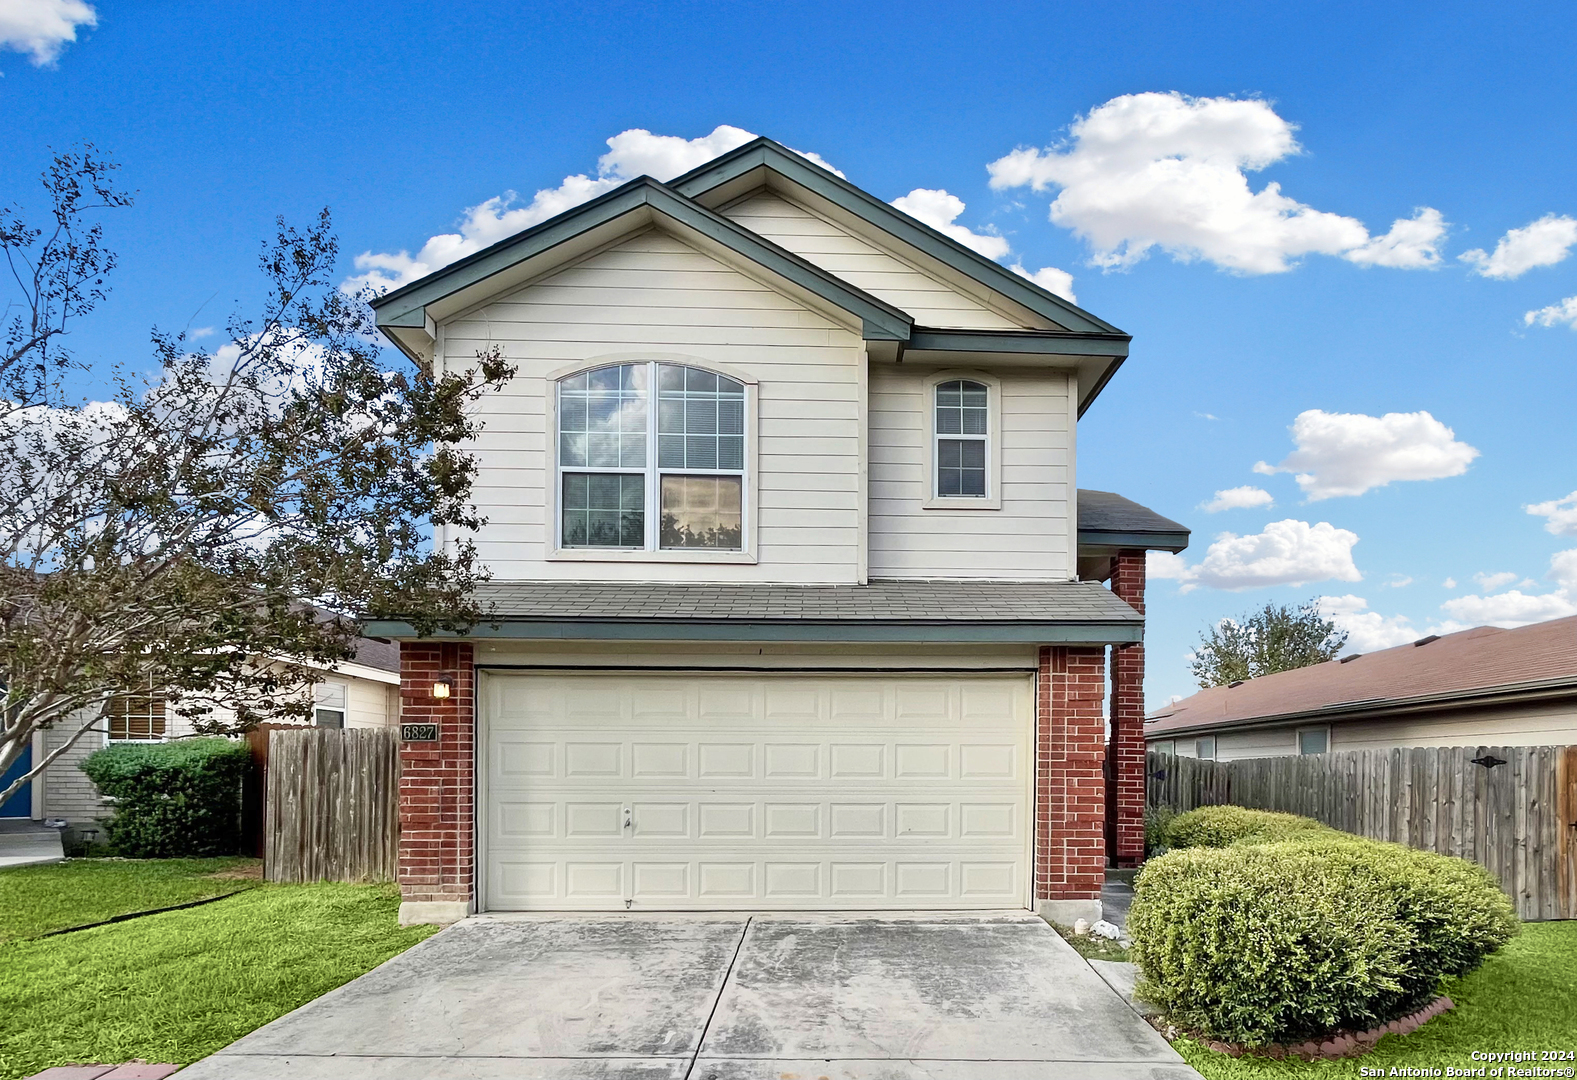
(215, 530)
(1273, 638)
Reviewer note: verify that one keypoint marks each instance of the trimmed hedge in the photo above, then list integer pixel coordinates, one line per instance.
(172, 800)
(1282, 940)
(1218, 826)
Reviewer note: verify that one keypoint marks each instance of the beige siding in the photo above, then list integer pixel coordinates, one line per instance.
(371, 704)
(653, 296)
(860, 263)
(1027, 539)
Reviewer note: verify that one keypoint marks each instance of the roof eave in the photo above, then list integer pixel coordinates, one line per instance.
(1017, 632)
(1107, 542)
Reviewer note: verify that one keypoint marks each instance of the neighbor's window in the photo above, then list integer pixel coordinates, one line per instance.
(1314, 740)
(1168, 747)
(1206, 747)
(614, 463)
(136, 716)
(328, 705)
(962, 412)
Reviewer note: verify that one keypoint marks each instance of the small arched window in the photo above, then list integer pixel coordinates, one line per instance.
(962, 432)
(616, 464)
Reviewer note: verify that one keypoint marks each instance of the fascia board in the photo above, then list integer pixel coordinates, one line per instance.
(1104, 542)
(1035, 342)
(720, 172)
(915, 632)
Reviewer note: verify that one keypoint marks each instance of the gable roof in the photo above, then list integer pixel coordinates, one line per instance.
(1107, 520)
(1457, 669)
(721, 179)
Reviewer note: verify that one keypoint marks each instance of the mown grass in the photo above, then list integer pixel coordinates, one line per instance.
(1522, 998)
(178, 986)
(36, 900)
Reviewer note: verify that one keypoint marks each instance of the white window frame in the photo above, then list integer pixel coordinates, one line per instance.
(652, 472)
(1165, 747)
(109, 723)
(1297, 739)
(992, 499)
(1215, 748)
(330, 696)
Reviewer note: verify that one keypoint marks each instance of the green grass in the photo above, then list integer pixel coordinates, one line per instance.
(35, 900)
(178, 986)
(1523, 998)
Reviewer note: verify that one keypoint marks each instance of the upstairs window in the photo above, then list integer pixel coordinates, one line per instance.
(616, 463)
(962, 433)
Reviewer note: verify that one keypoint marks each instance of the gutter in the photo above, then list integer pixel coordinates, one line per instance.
(916, 631)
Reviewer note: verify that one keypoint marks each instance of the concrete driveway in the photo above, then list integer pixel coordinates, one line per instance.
(672, 997)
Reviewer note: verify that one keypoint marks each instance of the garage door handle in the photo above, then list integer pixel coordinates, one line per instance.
(629, 817)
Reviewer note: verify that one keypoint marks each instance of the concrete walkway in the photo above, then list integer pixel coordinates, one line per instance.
(24, 842)
(670, 997)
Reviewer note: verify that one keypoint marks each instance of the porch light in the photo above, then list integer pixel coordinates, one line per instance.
(443, 686)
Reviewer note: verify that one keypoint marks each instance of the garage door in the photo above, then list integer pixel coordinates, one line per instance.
(651, 792)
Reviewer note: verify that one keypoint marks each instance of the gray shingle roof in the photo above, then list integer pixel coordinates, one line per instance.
(880, 601)
(1108, 512)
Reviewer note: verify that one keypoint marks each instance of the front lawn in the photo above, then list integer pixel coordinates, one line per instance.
(1523, 998)
(178, 986)
(35, 900)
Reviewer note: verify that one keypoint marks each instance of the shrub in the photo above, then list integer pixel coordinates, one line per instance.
(175, 799)
(1264, 942)
(1157, 827)
(1218, 826)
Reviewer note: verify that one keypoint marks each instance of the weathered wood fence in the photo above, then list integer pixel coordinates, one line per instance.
(1517, 818)
(331, 808)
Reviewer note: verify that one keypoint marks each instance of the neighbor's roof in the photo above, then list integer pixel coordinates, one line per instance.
(1438, 672)
(1109, 520)
(912, 611)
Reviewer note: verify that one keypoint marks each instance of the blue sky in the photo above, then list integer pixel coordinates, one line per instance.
(403, 117)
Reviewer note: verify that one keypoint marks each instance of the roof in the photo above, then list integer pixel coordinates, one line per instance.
(912, 611)
(384, 654)
(1094, 348)
(1471, 666)
(1109, 520)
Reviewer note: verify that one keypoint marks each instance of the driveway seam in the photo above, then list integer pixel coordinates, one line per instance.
(721, 990)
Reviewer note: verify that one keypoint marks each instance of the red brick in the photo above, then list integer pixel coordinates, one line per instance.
(437, 792)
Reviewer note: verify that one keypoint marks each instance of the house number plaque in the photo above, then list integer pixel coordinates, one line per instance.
(419, 732)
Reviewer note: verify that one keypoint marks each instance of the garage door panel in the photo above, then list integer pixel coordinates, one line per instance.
(613, 792)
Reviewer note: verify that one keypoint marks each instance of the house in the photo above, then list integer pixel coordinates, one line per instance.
(363, 692)
(1479, 687)
(788, 606)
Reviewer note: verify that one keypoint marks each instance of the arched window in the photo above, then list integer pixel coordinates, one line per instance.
(962, 431)
(615, 463)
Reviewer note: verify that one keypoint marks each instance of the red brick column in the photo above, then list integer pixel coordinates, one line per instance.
(1070, 811)
(1127, 738)
(437, 788)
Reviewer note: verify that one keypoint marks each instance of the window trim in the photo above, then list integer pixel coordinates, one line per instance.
(1215, 748)
(1164, 747)
(1297, 739)
(992, 500)
(554, 477)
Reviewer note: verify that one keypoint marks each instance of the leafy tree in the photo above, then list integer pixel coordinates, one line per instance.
(213, 530)
(1273, 638)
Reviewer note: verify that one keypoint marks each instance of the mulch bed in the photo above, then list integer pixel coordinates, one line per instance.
(1338, 1044)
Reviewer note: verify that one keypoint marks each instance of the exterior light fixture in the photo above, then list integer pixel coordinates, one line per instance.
(443, 687)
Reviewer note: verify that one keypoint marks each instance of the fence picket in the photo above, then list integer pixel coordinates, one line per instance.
(331, 810)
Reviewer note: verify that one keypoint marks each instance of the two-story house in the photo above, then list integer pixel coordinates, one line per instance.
(796, 603)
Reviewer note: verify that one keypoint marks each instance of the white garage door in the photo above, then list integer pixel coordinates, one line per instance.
(651, 792)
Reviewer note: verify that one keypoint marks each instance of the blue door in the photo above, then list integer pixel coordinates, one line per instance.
(20, 804)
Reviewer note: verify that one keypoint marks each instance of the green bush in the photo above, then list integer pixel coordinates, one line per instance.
(1218, 826)
(172, 800)
(1157, 828)
(1263, 942)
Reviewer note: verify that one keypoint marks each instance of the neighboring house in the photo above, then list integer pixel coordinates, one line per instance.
(359, 693)
(1479, 687)
(787, 608)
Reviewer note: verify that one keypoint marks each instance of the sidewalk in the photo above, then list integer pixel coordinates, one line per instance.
(24, 842)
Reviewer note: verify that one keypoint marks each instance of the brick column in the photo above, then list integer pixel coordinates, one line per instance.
(1127, 719)
(437, 785)
(1070, 811)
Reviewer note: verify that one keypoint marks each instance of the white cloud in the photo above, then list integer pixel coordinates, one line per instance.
(1450, 583)
(1051, 279)
(1398, 581)
(1165, 170)
(42, 28)
(200, 332)
(1367, 631)
(1207, 416)
(1286, 553)
(1545, 242)
(1509, 609)
(1563, 312)
(1490, 582)
(1563, 569)
(940, 210)
(1349, 453)
(1246, 497)
(632, 153)
(1562, 515)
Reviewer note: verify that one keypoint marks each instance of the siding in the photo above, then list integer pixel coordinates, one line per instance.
(655, 296)
(1027, 539)
(860, 263)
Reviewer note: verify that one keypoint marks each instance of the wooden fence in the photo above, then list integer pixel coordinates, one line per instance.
(332, 805)
(1517, 818)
